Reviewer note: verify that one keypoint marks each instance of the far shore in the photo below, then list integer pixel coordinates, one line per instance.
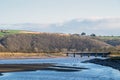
(19, 55)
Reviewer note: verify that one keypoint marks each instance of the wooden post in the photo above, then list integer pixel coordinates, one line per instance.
(108, 54)
(96, 55)
(89, 55)
(81, 55)
(73, 54)
(103, 55)
(66, 54)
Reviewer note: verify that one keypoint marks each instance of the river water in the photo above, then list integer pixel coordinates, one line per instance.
(94, 72)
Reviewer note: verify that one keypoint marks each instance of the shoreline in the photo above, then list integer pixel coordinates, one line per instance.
(31, 58)
(23, 67)
(5, 68)
(10, 55)
(110, 62)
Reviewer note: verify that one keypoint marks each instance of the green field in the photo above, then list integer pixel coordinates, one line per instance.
(8, 32)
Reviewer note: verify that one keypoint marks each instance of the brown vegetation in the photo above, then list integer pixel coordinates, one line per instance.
(50, 43)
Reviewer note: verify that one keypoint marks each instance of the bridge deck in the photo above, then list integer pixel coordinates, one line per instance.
(96, 54)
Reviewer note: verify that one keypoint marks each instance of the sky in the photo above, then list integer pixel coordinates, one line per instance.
(56, 11)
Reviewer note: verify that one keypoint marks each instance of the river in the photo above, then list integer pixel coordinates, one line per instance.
(94, 71)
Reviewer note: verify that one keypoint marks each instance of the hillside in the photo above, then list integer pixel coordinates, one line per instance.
(112, 40)
(50, 42)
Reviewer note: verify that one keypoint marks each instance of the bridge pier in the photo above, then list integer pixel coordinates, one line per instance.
(103, 55)
(67, 54)
(96, 55)
(73, 54)
(81, 55)
(88, 54)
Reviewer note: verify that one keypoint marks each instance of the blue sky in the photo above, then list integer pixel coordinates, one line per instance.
(55, 11)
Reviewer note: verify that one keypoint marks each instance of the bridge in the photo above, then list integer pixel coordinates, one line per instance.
(82, 54)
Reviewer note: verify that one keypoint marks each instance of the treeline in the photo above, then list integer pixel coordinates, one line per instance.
(46, 42)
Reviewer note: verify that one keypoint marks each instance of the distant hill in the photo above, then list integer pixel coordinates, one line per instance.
(50, 42)
(103, 26)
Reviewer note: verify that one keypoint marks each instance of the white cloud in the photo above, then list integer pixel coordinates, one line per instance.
(97, 25)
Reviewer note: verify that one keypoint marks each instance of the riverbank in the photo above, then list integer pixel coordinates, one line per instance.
(110, 62)
(18, 55)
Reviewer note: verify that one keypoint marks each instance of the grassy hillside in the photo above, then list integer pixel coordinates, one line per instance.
(27, 41)
(112, 40)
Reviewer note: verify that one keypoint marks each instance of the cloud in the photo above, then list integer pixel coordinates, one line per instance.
(100, 26)
(97, 25)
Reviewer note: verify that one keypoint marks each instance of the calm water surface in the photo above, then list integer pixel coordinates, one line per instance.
(95, 72)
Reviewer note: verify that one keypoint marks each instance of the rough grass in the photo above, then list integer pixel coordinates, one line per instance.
(4, 55)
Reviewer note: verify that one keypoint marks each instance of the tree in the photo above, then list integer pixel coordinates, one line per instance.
(83, 33)
(73, 50)
(36, 49)
(64, 50)
(56, 50)
(93, 35)
(76, 34)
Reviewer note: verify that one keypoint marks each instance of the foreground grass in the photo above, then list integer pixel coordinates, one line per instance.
(10, 55)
